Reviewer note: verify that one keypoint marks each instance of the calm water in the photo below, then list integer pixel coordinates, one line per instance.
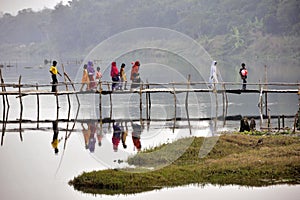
(32, 170)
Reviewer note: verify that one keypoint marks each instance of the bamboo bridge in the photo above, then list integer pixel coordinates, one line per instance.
(22, 90)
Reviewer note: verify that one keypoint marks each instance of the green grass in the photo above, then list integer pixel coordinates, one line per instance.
(235, 159)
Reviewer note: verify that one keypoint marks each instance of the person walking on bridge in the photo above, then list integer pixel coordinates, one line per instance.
(213, 78)
(53, 70)
(244, 73)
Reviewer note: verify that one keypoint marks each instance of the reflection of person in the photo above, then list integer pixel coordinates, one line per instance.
(124, 135)
(53, 70)
(114, 73)
(85, 78)
(55, 139)
(92, 139)
(99, 136)
(136, 135)
(135, 76)
(212, 127)
(86, 135)
(244, 73)
(213, 77)
(116, 136)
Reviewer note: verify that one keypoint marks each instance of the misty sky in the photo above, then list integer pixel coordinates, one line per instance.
(13, 6)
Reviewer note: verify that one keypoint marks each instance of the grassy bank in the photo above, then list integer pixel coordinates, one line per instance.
(234, 159)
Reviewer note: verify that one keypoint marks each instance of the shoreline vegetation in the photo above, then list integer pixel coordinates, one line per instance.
(235, 159)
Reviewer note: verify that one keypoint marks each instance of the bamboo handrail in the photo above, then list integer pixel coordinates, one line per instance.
(14, 85)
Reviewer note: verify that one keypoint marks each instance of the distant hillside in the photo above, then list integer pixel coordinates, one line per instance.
(257, 32)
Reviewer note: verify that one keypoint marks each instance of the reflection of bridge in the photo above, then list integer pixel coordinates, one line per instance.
(21, 90)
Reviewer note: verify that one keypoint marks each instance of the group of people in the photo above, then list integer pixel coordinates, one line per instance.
(93, 135)
(90, 132)
(120, 134)
(213, 78)
(90, 77)
(244, 125)
(119, 78)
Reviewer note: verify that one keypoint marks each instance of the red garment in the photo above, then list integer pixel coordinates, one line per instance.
(137, 142)
(115, 141)
(114, 70)
(134, 70)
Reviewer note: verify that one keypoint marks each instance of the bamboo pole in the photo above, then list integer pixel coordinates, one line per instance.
(298, 116)
(4, 105)
(226, 108)
(57, 106)
(21, 109)
(260, 102)
(5, 114)
(225, 104)
(78, 102)
(69, 104)
(278, 123)
(4, 123)
(110, 101)
(149, 98)
(217, 108)
(141, 103)
(266, 93)
(38, 106)
(295, 122)
(147, 101)
(72, 84)
(186, 103)
(175, 108)
(4, 89)
(269, 121)
(100, 104)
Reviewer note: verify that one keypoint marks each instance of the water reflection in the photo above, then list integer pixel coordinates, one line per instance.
(116, 136)
(55, 140)
(136, 135)
(89, 134)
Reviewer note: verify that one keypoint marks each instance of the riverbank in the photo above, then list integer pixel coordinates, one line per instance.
(234, 159)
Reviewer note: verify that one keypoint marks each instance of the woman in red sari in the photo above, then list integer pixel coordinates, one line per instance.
(134, 76)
